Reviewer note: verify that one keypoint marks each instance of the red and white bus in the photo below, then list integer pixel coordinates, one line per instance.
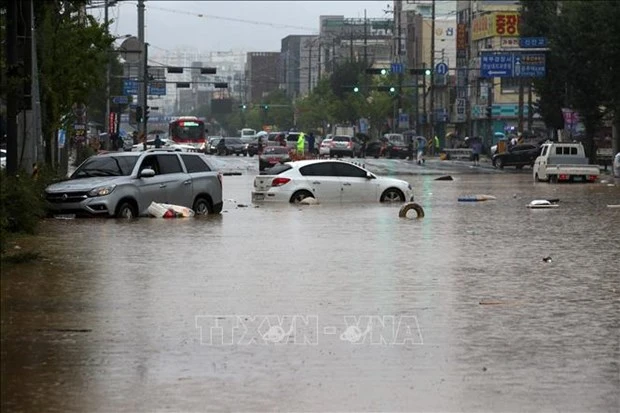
(188, 130)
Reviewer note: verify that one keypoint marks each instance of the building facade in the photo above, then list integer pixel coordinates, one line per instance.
(483, 28)
(262, 75)
(299, 64)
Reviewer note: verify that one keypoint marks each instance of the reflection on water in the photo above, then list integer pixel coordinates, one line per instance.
(108, 322)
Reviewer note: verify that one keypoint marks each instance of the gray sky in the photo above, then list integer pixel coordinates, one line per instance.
(172, 24)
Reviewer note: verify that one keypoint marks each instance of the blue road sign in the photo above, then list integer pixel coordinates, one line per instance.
(529, 65)
(120, 100)
(532, 42)
(130, 87)
(397, 68)
(157, 88)
(496, 64)
(441, 68)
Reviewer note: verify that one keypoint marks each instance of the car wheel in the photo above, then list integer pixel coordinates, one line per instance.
(392, 195)
(499, 163)
(202, 206)
(126, 210)
(217, 208)
(300, 196)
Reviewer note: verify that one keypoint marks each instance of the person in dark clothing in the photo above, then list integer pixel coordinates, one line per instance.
(311, 144)
(158, 142)
(221, 147)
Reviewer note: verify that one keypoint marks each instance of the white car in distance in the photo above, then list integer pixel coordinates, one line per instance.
(327, 181)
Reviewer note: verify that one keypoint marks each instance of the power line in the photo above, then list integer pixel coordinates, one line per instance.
(233, 19)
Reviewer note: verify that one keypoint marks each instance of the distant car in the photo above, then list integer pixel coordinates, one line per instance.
(325, 147)
(398, 147)
(616, 165)
(373, 148)
(123, 184)
(273, 155)
(327, 181)
(2, 158)
(518, 155)
(232, 146)
(343, 145)
(250, 141)
(165, 144)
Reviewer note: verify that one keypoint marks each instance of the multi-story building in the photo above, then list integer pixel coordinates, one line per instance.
(229, 66)
(262, 75)
(299, 69)
(482, 27)
(363, 39)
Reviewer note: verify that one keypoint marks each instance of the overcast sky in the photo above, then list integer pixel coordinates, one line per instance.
(232, 25)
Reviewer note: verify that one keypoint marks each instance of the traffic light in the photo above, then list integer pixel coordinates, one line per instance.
(424, 72)
(147, 112)
(243, 107)
(265, 107)
(356, 89)
(208, 70)
(220, 85)
(374, 71)
(489, 111)
(390, 89)
(139, 114)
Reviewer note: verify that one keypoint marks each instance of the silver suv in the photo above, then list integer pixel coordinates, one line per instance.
(123, 184)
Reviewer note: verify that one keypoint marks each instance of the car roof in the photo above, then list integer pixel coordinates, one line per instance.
(299, 164)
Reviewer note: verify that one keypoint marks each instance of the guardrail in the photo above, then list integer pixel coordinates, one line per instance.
(459, 153)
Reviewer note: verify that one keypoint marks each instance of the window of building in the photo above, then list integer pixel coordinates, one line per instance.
(509, 85)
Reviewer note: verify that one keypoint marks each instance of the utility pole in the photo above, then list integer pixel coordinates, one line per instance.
(521, 103)
(365, 90)
(398, 15)
(432, 101)
(310, 68)
(145, 89)
(530, 111)
(142, 66)
(12, 106)
(106, 121)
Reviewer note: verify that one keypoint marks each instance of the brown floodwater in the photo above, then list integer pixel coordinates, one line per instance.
(326, 307)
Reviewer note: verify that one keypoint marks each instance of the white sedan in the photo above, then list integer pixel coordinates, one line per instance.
(327, 181)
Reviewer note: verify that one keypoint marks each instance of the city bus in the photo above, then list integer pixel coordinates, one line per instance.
(188, 130)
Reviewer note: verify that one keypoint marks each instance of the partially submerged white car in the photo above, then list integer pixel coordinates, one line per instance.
(327, 181)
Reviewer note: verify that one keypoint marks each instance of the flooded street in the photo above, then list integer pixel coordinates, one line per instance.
(326, 307)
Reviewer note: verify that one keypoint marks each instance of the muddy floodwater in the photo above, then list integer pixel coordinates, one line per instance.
(326, 307)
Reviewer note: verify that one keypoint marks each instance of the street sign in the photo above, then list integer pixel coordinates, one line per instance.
(157, 88)
(403, 121)
(532, 42)
(120, 100)
(460, 115)
(496, 64)
(441, 68)
(130, 87)
(397, 68)
(529, 65)
(515, 64)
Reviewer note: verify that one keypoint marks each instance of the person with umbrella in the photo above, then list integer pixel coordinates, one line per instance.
(421, 144)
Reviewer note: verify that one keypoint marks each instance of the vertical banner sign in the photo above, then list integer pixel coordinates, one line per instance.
(112, 123)
(461, 40)
(507, 24)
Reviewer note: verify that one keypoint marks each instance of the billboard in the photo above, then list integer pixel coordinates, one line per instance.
(502, 24)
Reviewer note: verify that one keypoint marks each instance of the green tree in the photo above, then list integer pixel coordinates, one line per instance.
(72, 56)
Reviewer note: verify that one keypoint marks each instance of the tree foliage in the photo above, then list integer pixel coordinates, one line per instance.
(72, 52)
(584, 55)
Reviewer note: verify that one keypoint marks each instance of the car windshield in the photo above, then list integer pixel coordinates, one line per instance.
(234, 141)
(188, 130)
(106, 166)
(397, 139)
(278, 169)
(341, 139)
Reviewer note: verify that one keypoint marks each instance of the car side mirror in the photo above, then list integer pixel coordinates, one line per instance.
(370, 176)
(147, 173)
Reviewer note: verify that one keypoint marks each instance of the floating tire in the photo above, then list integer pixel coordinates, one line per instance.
(408, 207)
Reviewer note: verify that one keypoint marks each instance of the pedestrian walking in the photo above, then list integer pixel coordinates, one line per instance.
(476, 148)
(437, 147)
(158, 142)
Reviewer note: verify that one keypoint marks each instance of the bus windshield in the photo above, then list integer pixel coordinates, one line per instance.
(187, 131)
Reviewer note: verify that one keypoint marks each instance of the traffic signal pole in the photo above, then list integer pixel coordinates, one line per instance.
(143, 64)
(431, 119)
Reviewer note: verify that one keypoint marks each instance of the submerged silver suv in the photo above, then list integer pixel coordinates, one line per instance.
(123, 184)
